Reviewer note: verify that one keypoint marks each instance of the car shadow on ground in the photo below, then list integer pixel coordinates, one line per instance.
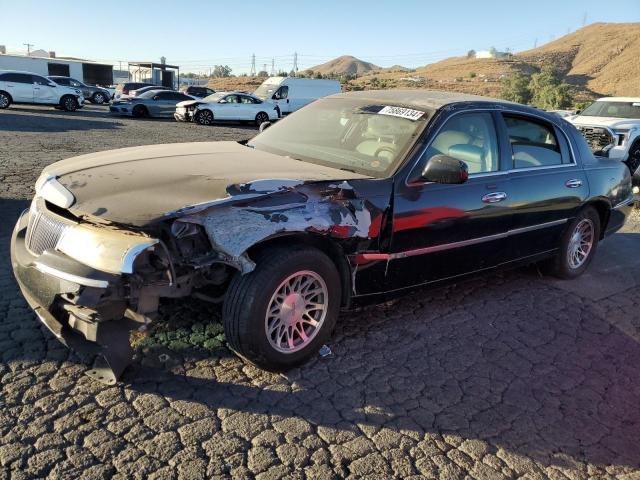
(64, 122)
(506, 359)
(549, 376)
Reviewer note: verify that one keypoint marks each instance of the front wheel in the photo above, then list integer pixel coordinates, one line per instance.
(204, 117)
(280, 314)
(5, 101)
(578, 245)
(98, 98)
(139, 111)
(261, 118)
(69, 104)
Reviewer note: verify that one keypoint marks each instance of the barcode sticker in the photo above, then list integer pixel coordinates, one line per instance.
(401, 112)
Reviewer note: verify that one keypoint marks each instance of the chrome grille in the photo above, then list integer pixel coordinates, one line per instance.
(597, 138)
(43, 232)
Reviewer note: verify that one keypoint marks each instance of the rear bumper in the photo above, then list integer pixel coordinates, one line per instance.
(83, 307)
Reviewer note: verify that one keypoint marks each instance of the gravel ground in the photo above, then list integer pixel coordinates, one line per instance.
(509, 376)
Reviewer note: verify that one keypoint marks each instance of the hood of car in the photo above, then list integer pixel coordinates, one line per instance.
(186, 103)
(611, 122)
(141, 185)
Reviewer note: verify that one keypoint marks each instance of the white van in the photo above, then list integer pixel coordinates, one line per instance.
(291, 93)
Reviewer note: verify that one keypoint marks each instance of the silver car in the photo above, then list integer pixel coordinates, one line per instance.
(153, 103)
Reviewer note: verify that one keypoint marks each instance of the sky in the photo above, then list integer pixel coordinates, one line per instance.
(199, 34)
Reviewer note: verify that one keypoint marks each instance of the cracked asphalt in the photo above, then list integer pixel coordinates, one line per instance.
(513, 375)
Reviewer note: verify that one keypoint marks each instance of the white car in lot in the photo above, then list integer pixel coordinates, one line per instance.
(223, 106)
(27, 87)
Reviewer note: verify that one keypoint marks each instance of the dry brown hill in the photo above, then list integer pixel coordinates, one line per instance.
(345, 65)
(600, 59)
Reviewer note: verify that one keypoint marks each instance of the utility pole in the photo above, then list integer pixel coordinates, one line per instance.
(535, 43)
(295, 62)
(28, 45)
(264, 67)
(584, 19)
(273, 67)
(252, 73)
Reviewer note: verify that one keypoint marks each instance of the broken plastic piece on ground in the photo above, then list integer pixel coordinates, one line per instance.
(163, 357)
(325, 351)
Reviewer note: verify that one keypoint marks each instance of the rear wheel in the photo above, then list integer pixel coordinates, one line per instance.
(5, 100)
(98, 98)
(280, 314)
(204, 117)
(69, 103)
(139, 111)
(578, 245)
(261, 117)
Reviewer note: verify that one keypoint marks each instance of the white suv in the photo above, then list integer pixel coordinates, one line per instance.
(27, 87)
(611, 126)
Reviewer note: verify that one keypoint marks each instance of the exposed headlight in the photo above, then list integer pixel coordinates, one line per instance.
(103, 249)
(623, 134)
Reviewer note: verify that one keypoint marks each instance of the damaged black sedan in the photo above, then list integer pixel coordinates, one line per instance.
(352, 199)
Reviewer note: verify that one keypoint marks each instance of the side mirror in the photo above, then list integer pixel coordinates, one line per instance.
(264, 126)
(578, 112)
(53, 85)
(445, 169)
(222, 101)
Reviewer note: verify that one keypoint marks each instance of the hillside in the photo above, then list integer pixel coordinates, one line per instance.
(345, 65)
(600, 59)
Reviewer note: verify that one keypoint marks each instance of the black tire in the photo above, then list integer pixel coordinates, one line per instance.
(69, 103)
(250, 295)
(204, 117)
(633, 161)
(261, 117)
(5, 100)
(140, 111)
(561, 264)
(98, 98)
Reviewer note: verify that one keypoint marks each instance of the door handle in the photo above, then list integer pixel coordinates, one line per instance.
(494, 197)
(575, 183)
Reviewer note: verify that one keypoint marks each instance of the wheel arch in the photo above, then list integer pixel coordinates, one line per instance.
(331, 248)
(603, 207)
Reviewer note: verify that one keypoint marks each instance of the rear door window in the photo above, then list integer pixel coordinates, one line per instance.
(533, 143)
(18, 78)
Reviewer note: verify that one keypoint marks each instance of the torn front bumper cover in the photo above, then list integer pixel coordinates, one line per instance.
(83, 307)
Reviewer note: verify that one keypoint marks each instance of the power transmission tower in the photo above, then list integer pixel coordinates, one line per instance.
(295, 62)
(535, 43)
(273, 67)
(264, 69)
(584, 19)
(28, 45)
(252, 73)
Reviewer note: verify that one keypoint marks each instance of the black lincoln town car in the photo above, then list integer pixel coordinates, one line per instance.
(352, 199)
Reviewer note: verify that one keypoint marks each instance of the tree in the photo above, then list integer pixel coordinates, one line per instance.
(220, 71)
(515, 88)
(493, 52)
(548, 91)
(263, 73)
(471, 54)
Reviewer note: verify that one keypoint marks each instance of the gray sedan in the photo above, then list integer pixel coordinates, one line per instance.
(92, 93)
(153, 103)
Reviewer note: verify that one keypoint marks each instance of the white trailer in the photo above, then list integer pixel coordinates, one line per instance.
(86, 71)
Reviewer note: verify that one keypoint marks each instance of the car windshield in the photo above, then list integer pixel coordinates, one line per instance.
(214, 97)
(266, 90)
(613, 109)
(353, 135)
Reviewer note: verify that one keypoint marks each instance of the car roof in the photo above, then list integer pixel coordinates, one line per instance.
(21, 71)
(430, 99)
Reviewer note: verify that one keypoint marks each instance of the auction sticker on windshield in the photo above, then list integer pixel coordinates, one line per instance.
(401, 112)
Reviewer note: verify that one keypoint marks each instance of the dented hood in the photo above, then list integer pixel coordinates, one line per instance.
(140, 185)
